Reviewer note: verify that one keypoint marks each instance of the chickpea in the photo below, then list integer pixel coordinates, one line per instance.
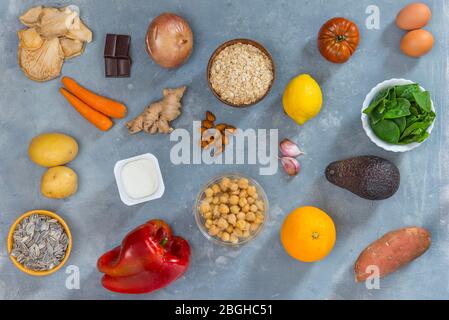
(224, 184)
(242, 202)
(223, 209)
(254, 227)
(216, 189)
(237, 232)
(209, 192)
(222, 223)
(235, 209)
(251, 190)
(234, 187)
(232, 209)
(208, 200)
(204, 207)
(241, 224)
(232, 219)
(225, 236)
(258, 220)
(245, 234)
(243, 183)
(213, 231)
(251, 217)
(207, 215)
(224, 198)
(216, 212)
(234, 199)
(260, 205)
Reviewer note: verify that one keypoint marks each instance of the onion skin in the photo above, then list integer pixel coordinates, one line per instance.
(169, 40)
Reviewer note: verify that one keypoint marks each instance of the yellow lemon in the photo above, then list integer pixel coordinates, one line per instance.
(302, 98)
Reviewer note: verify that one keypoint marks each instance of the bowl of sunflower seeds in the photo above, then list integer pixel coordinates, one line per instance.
(39, 243)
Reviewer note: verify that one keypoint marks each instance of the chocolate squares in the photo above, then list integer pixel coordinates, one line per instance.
(116, 56)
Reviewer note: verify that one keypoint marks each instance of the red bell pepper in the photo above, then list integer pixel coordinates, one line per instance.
(149, 258)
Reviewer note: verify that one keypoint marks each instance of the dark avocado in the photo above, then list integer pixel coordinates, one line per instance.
(369, 177)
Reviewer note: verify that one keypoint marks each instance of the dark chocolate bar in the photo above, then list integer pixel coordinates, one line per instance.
(116, 55)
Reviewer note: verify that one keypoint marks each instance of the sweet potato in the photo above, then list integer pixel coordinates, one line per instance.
(392, 251)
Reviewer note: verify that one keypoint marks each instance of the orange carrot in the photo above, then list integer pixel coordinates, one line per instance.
(98, 119)
(106, 106)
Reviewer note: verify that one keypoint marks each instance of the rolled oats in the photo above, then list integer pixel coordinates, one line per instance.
(241, 74)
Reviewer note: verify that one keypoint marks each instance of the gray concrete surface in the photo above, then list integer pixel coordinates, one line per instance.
(261, 269)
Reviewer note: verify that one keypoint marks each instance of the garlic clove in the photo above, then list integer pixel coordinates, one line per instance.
(291, 166)
(290, 149)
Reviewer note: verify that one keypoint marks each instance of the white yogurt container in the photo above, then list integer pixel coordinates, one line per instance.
(139, 179)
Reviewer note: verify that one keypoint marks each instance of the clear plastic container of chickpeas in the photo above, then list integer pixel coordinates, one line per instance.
(231, 209)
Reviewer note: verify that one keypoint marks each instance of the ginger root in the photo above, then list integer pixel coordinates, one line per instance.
(157, 116)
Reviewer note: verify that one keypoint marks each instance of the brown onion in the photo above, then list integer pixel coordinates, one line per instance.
(169, 40)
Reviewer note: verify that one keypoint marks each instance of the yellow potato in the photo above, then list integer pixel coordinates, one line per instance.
(59, 183)
(52, 149)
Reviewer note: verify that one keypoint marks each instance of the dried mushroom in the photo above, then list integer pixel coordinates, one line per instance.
(80, 32)
(30, 39)
(31, 17)
(56, 23)
(54, 34)
(71, 48)
(42, 64)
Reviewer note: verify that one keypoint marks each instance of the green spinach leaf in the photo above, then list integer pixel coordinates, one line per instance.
(387, 130)
(376, 116)
(401, 123)
(406, 91)
(423, 100)
(401, 108)
(417, 127)
(381, 96)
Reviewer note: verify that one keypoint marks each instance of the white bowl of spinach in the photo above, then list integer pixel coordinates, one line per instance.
(398, 115)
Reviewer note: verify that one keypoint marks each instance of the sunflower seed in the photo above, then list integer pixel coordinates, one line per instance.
(40, 243)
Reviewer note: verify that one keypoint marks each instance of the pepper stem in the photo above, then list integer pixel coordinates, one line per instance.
(164, 242)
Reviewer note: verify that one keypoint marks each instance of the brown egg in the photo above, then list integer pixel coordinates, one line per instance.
(413, 16)
(417, 43)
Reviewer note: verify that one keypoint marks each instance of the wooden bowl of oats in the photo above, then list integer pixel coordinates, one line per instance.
(39, 243)
(241, 73)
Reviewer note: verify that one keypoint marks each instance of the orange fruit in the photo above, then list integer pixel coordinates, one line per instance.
(308, 234)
